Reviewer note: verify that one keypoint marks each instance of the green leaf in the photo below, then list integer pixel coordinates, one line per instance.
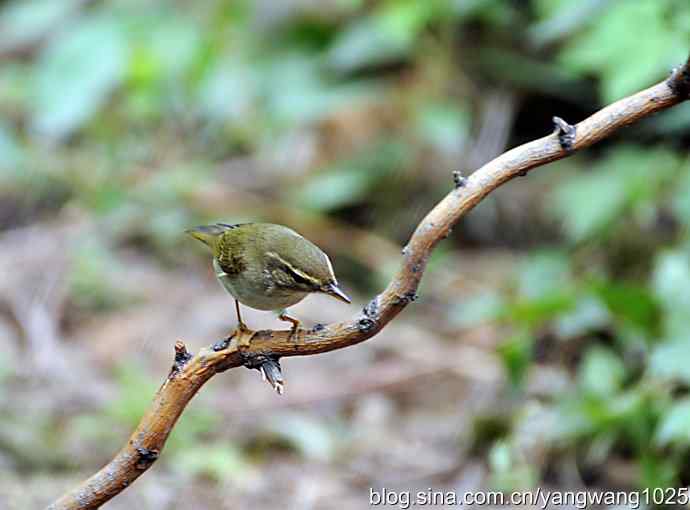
(310, 437)
(671, 123)
(367, 42)
(445, 126)
(333, 190)
(535, 312)
(516, 354)
(136, 393)
(295, 91)
(349, 181)
(544, 274)
(173, 43)
(545, 9)
(92, 279)
(24, 22)
(527, 72)
(671, 284)
(675, 425)
(509, 470)
(671, 279)
(544, 289)
(405, 19)
(11, 153)
(669, 361)
(658, 44)
(76, 74)
(221, 462)
(588, 314)
(590, 413)
(601, 372)
(680, 200)
(658, 470)
(630, 303)
(477, 310)
(228, 91)
(588, 203)
(629, 177)
(561, 18)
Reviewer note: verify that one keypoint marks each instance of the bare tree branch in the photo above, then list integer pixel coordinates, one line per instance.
(265, 348)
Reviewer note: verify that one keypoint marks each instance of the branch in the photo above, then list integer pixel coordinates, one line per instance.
(263, 349)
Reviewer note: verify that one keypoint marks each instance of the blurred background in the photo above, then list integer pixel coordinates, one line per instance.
(549, 346)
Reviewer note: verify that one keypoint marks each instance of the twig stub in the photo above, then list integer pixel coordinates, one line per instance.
(146, 458)
(458, 179)
(679, 81)
(371, 312)
(221, 345)
(566, 133)
(182, 356)
(405, 299)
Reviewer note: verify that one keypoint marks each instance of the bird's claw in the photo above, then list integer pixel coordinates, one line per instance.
(295, 324)
(293, 333)
(244, 336)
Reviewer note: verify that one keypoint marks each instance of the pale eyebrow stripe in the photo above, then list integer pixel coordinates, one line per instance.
(292, 268)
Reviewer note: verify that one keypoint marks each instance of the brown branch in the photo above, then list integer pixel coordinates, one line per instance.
(189, 373)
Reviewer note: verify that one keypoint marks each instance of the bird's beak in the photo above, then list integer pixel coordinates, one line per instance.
(332, 289)
(198, 233)
(207, 234)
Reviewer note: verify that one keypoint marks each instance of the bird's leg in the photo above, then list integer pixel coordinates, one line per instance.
(283, 316)
(242, 326)
(244, 337)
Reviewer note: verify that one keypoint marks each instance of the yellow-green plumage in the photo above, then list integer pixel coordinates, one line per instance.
(267, 266)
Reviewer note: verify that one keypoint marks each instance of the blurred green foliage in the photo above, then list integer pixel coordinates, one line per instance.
(620, 291)
(129, 112)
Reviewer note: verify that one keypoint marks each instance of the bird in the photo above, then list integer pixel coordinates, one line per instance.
(266, 266)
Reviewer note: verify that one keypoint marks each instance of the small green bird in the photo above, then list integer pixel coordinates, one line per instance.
(267, 267)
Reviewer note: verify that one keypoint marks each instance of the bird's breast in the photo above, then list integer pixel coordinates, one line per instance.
(256, 289)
